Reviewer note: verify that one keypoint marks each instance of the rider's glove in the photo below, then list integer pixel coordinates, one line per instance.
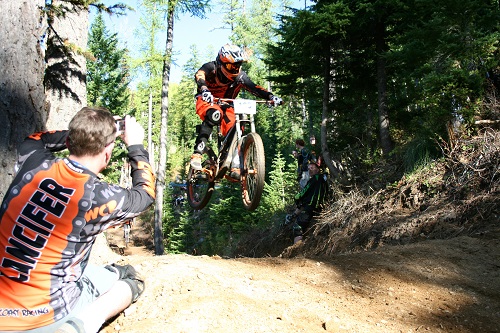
(289, 219)
(275, 100)
(206, 95)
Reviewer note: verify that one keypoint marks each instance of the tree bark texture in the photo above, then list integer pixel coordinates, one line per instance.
(66, 86)
(22, 97)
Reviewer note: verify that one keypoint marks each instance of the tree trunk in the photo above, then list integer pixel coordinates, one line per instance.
(385, 136)
(22, 97)
(334, 167)
(162, 159)
(66, 67)
(150, 129)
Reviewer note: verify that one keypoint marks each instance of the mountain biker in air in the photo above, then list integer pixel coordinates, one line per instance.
(222, 78)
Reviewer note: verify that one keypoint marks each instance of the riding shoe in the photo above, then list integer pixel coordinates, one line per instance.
(129, 275)
(235, 173)
(73, 325)
(196, 161)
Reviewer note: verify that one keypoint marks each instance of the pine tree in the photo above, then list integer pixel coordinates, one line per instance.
(280, 190)
(180, 237)
(107, 73)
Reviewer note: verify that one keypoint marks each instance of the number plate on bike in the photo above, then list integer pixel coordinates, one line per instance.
(244, 106)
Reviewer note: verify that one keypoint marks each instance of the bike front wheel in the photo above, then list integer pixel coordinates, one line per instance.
(199, 189)
(254, 171)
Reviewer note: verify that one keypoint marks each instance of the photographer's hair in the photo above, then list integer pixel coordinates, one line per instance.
(90, 130)
(300, 142)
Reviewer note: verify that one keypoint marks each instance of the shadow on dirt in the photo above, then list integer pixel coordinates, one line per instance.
(446, 217)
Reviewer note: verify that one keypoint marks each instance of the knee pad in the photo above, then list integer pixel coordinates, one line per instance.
(203, 132)
(213, 117)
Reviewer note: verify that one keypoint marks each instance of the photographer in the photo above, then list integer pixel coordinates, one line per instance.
(50, 217)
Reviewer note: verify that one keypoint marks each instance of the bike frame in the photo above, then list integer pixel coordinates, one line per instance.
(244, 110)
(250, 152)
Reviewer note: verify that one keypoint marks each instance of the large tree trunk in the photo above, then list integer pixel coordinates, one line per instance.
(65, 78)
(334, 167)
(385, 136)
(162, 159)
(22, 96)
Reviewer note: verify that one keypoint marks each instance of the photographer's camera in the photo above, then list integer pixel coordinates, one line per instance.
(120, 125)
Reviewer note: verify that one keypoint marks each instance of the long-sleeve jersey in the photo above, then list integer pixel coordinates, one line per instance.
(207, 76)
(313, 194)
(50, 216)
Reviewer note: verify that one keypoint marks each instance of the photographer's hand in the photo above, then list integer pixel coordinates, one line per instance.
(134, 132)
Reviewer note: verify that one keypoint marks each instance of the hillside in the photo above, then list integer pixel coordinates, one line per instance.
(422, 255)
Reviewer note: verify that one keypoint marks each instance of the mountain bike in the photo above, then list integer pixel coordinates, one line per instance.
(241, 144)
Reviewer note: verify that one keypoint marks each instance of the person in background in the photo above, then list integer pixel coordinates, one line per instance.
(222, 78)
(308, 202)
(50, 217)
(302, 156)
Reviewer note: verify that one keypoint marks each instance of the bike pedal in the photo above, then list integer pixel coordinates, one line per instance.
(235, 174)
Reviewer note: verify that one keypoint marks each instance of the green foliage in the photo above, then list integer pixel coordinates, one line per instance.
(227, 218)
(140, 108)
(107, 72)
(180, 236)
(419, 152)
(175, 224)
(107, 86)
(280, 190)
(435, 67)
(435, 72)
(183, 119)
(151, 24)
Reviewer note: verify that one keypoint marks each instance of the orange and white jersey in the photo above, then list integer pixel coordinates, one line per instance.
(50, 216)
(207, 76)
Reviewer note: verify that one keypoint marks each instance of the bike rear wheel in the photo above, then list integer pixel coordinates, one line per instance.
(199, 188)
(254, 171)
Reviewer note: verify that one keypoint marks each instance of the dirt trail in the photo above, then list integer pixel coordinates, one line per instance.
(450, 285)
(432, 286)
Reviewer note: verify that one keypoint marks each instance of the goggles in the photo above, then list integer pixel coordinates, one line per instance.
(233, 68)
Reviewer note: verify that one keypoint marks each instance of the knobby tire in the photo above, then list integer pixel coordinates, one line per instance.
(199, 190)
(254, 171)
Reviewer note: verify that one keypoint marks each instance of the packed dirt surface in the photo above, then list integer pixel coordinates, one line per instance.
(421, 255)
(431, 286)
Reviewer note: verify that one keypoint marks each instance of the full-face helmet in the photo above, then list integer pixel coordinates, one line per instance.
(229, 60)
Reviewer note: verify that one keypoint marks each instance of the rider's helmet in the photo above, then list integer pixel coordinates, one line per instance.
(229, 60)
